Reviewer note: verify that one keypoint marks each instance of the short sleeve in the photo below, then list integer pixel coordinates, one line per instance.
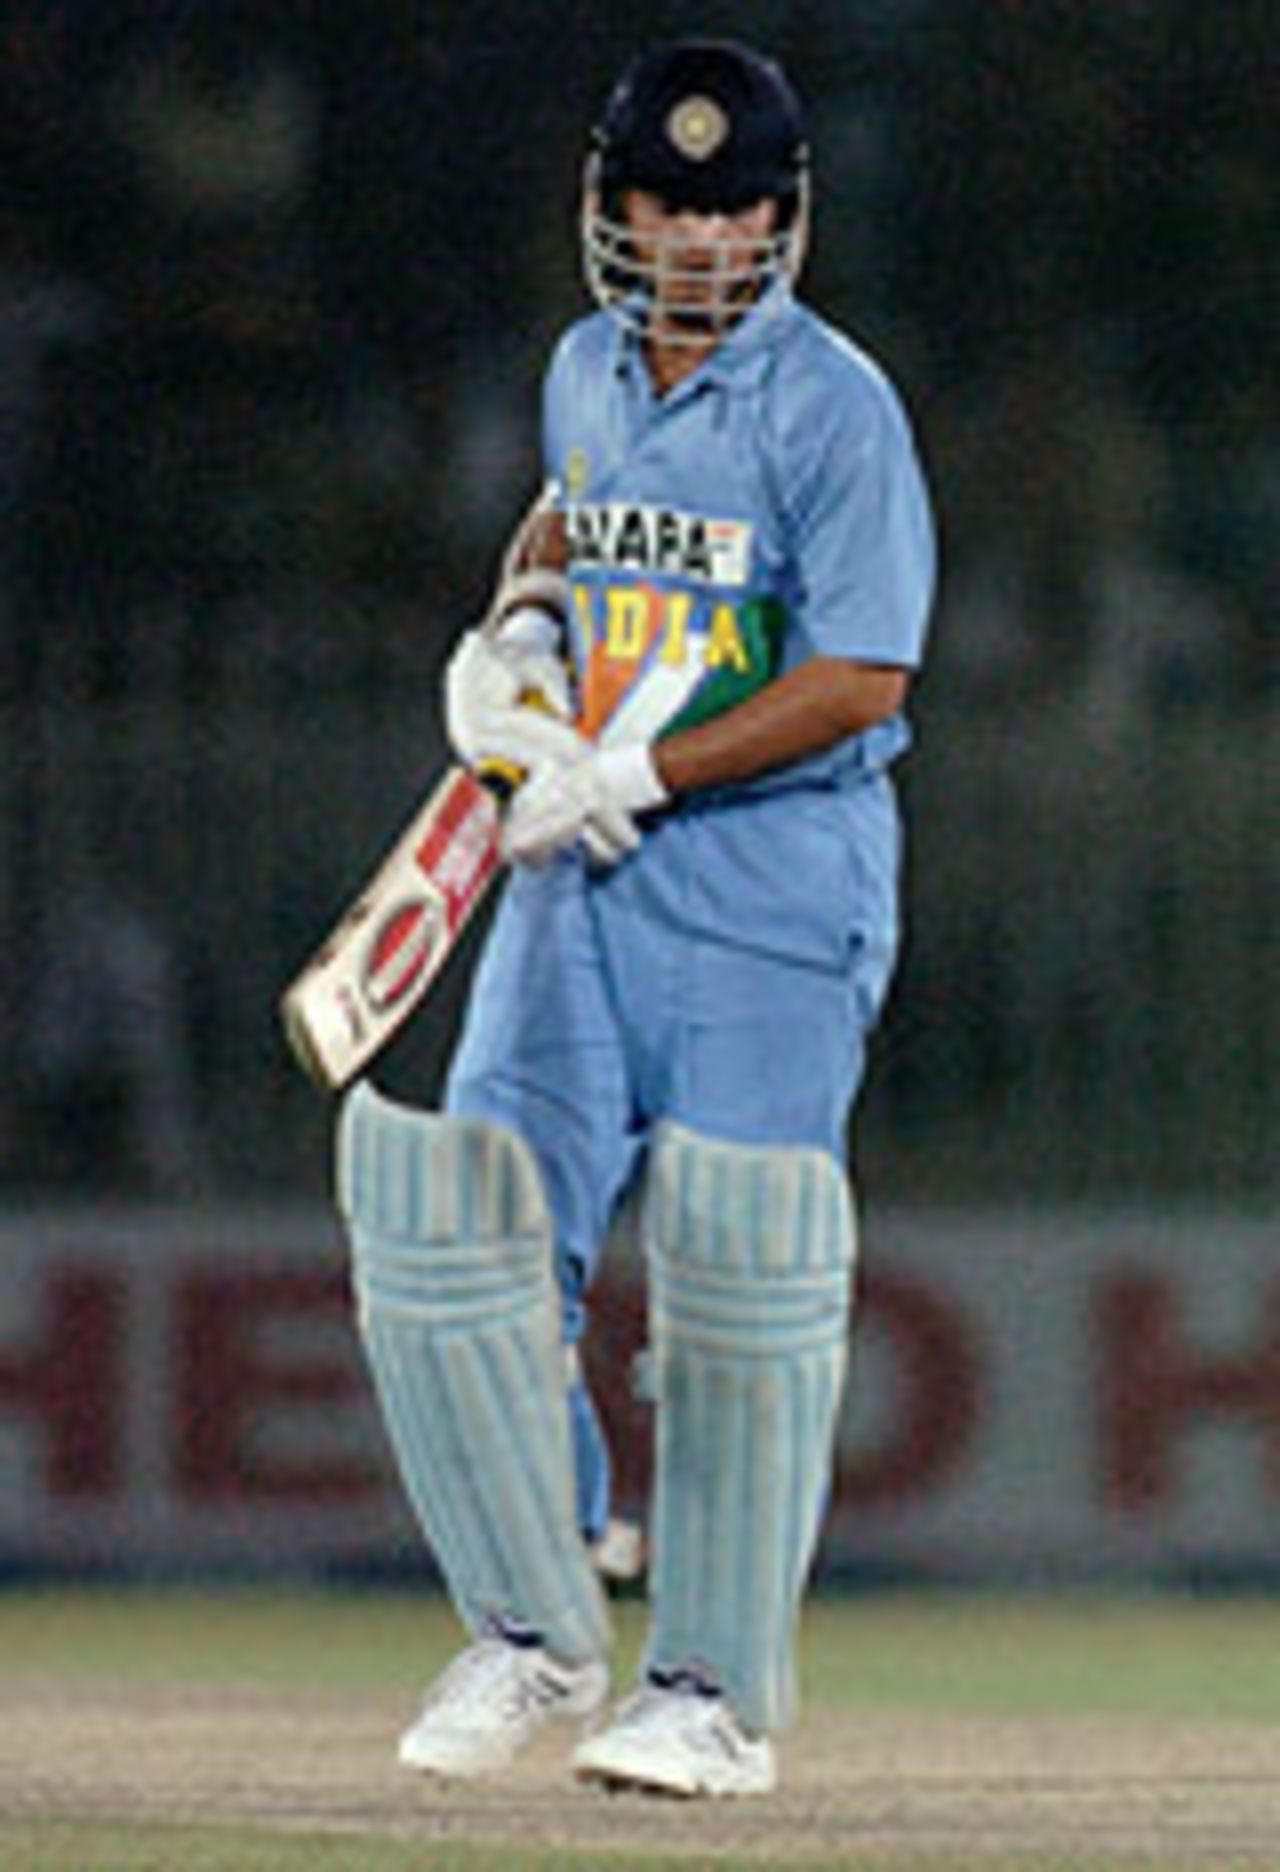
(859, 515)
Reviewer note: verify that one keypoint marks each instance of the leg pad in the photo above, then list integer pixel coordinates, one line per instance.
(460, 1318)
(750, 1256)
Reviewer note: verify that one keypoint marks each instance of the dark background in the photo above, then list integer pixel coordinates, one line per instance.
(276, 287)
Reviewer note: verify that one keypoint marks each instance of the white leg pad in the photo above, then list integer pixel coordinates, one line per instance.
(460, 1318)
(750, 1255)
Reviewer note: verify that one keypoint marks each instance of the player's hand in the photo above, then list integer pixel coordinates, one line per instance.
(489, 683)
(592, 801)
(516, 744)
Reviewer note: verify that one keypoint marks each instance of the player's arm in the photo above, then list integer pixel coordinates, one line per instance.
(810, 709)
(506, 692)
(508, 695)
(804, 712)
(864, 542)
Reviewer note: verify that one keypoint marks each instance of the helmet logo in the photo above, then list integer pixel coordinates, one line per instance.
(697, 126)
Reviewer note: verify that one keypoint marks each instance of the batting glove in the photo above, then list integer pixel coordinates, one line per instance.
(487, 683)
(592, 801)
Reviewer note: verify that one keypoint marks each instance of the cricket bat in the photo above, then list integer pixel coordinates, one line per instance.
(382, 956)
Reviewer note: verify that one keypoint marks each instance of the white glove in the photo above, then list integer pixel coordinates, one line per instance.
(592, 800)
(489, 682)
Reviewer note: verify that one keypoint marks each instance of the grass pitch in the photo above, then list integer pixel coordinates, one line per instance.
(251, 1731)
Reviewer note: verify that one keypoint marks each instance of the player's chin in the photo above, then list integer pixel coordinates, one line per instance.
(703, 321)
(708, 319)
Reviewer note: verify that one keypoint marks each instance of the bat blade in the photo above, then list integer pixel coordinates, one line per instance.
(382, 956)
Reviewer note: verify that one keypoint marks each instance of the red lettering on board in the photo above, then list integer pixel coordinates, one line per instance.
(230, 1384)
(72, 1382)
(939, 1391)
(1154, 1387)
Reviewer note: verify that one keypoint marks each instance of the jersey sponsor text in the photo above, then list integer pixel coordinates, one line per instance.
(623, 536)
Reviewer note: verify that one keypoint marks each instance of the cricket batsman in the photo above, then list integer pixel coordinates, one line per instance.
(699, 660)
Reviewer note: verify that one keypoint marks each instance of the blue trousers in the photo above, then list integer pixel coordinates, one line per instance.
(725, 976)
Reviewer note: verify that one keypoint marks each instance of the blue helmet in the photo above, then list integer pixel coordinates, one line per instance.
(704, 125)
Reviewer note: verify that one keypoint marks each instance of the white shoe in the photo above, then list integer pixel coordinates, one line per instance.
(677, 1741)
(620, 1555)
(491, 1701)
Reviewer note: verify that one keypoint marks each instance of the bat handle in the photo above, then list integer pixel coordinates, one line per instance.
(504, 778)
(501, 778)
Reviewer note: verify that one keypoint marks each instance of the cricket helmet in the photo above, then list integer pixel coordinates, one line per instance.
(707, 126)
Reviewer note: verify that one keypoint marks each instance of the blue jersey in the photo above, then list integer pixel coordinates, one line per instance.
(768, 509)
(726, 974)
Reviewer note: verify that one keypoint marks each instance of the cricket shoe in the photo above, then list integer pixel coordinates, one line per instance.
(492, 1701)
(677, 1740)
